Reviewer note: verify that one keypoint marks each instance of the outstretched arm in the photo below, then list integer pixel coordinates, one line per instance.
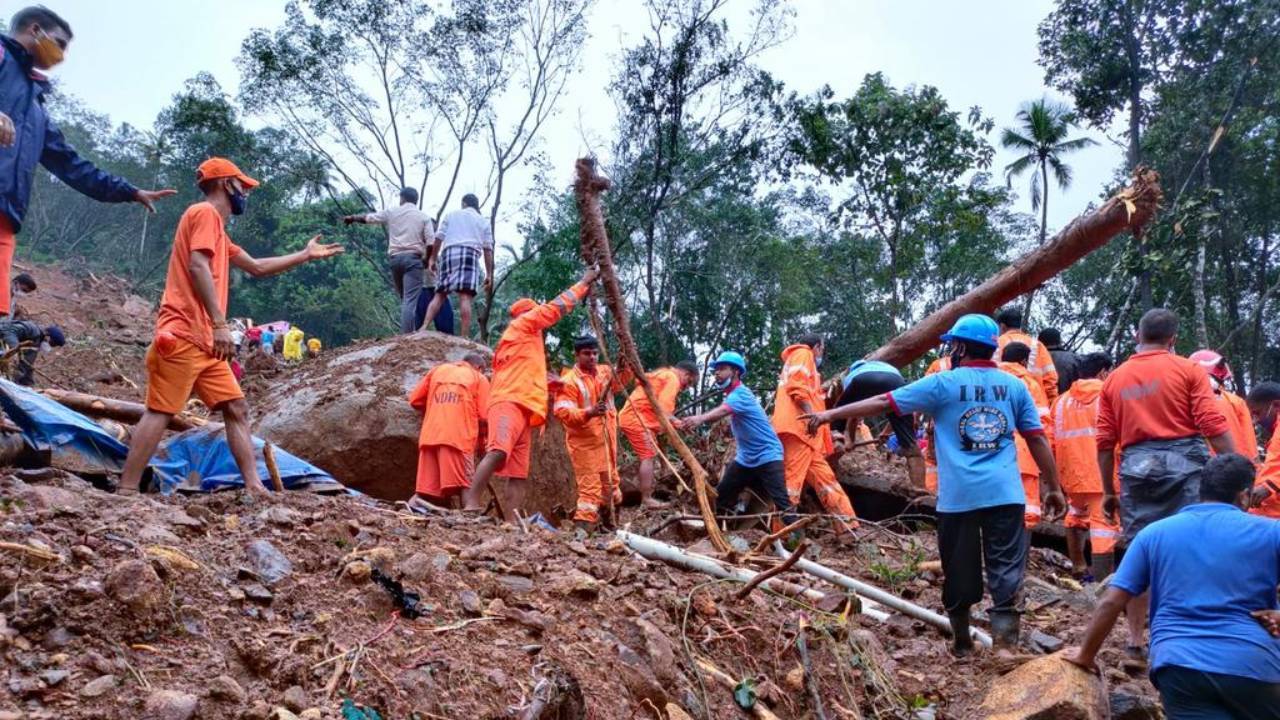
(1104, 618)
(63, 161)
(315, 250)
(693, 421)
(877, 405)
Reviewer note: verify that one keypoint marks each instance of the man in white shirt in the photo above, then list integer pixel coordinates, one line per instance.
(463, 236)
(409, 236)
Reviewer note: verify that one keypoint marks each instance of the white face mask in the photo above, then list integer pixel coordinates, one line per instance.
(45, 346)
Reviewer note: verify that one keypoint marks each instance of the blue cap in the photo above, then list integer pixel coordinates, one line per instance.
(56, 337)
(733, 359)
(974, 328)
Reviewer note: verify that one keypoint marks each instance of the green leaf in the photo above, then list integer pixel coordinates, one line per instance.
(744, 693)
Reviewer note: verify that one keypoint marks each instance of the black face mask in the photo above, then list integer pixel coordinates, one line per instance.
(238, 202)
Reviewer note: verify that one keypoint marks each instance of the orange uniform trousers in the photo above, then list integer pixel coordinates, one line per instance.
(1084, 512)
(804, 464)
(8, 242)
(443, 471)
(1031, 486)
(176, 367)
(509, 431)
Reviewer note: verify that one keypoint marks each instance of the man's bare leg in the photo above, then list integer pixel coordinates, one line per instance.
(473, 496)
(464, 303)
(433, 309)
(235, 416)
(517, 490)
(647, 484)
(1075, 549)
(142, 445)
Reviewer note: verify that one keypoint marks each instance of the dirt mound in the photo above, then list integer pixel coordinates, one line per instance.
(348, 413)
(108, 330)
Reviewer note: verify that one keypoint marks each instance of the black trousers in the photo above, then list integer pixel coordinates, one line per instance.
(992, 536)
(1197, 695)
(767, 479)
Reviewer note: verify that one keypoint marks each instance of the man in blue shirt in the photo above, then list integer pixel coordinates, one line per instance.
(758, 462)
(867, 379)
(37, 40)
(976, 408)
(1212, 571)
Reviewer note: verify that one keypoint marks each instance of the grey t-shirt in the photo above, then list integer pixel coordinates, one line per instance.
(409, 230)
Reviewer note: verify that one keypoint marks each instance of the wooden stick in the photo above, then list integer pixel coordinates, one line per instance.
(269, 457)
(31, 551)
(778, 569)
(118, 410)
(810, 682)
(587, 189)
(768, 539)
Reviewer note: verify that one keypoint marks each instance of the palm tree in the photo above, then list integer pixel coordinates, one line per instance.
(1041, 137)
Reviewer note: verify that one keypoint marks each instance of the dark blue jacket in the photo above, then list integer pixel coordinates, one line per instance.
(38, 140)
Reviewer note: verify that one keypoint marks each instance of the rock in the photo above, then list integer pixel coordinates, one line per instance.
(440, 561)
(158, 535)
(180, 518)
(1127, 706)
(1045, 642)
(280, 515)
(295, 698)
(99, 686)
(417, 567)
(516, 584)
(531, 619)
(487, 550)
(54, 677)
(282, 714)
(170, 705)
(577, 584)
(135, 584)
(310, 714)
(357, 572)
(674, 712)
(470, 602)
(269, 563)
(1047, 688)
(258, 594)
(639, 678)
(662, 654)
(49, 497)
(225, 687)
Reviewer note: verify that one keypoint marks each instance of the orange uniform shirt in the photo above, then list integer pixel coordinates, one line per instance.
(1270, 472)
(1073, 431)
(452, 398)
(799, 382)
(1026, 463)
(578, 393)
(941, 363)
(1236, 411)
(1156, 395)
(1039, 364)
(520, 362)
(181, 313)
(666, 386)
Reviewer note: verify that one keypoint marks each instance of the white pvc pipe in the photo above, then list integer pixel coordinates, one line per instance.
(658, 550)
(874, 593)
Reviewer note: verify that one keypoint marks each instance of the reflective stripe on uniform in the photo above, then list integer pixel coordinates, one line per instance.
(582, 388)
(587, 507)
(1078, 432)
(1103, 533)
(565, 405)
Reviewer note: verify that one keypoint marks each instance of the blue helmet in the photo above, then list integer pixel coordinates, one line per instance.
(974, 328)
(733, 359)
(57, 338)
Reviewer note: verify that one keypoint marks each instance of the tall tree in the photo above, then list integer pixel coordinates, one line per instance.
(1041, 137)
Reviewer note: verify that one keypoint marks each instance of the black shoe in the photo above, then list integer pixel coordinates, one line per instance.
(1006, 627)
(962, 642)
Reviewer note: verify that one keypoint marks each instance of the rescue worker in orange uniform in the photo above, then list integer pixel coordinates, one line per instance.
(584, 405)
(1072, 429)
(640, 424)
(942, 363)
(1040, 362)
(1233, 407)
(518, 396)
(804, 455)
(452, 398)
(1013, 360)
(1264, 404)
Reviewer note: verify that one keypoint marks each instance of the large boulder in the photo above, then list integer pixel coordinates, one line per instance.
(348, 412)
(1047, 688)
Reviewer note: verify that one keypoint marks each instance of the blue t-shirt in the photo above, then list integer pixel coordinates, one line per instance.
(976, 409)
(1207, 567)
(757, 442)
(868, 366)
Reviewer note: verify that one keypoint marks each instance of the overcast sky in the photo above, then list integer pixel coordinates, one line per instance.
(129, 58)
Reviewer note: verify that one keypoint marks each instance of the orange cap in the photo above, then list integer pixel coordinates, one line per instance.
(216, 167)
(522, 306)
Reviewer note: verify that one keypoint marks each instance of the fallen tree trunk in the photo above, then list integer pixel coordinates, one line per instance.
(595, 241)
(1131, 209)
(118, 410)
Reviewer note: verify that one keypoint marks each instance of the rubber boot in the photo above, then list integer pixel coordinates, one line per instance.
(1006, 627)
(1103, 565)
(962, 642)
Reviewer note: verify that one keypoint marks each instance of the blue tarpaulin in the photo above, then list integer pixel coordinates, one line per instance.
(197, 460)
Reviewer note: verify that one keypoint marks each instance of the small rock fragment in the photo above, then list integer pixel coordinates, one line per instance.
(470, 602)
(295, 698)
(170, 705)
(225, 687)
(135, 584)
(269, 563)
(99, 686)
